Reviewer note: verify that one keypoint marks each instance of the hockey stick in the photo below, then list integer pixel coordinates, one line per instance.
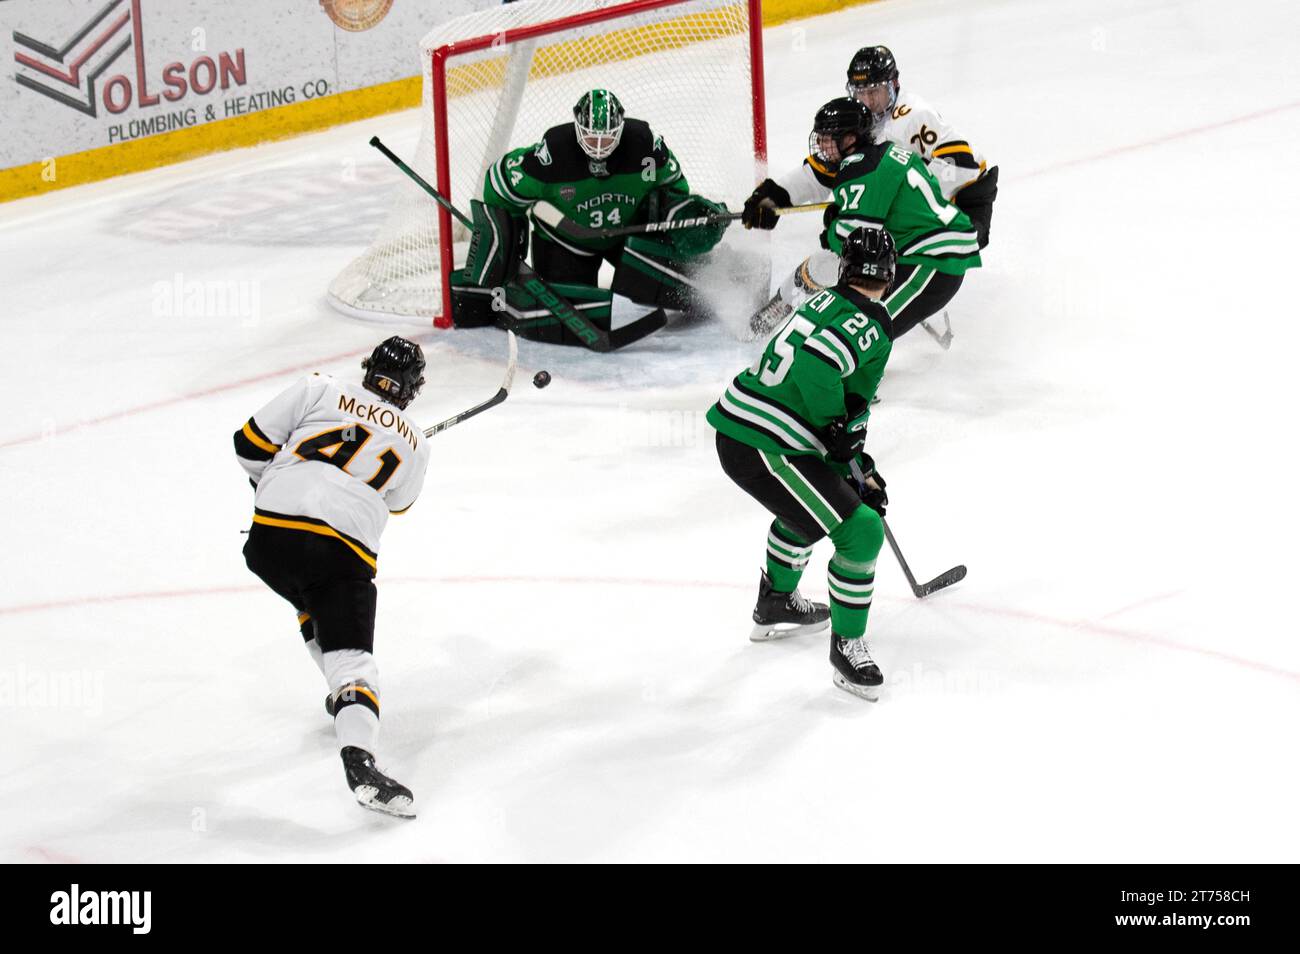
(493, 401)
(594, 338)
(549, 215)
(944, 579)
(945, 339)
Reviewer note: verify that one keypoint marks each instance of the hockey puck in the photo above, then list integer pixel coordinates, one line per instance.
(541, 379)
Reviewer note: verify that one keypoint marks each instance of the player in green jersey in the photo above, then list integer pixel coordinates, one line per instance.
(603, 171)
(790, 429)
(878, 185)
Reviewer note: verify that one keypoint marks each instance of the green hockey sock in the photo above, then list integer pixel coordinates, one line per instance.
(851, 575)
(787, 555)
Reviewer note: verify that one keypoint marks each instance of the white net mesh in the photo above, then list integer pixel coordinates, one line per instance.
(684, 68)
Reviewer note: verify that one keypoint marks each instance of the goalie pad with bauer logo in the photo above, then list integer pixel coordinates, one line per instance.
(498, 245)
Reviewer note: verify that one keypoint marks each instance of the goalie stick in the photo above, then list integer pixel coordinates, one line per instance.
(944, 579)
(502, 393)
(597, 339)
(549, 215)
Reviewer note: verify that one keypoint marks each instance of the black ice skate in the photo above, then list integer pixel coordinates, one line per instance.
(855, 671)
(373, 788)
(778, 615)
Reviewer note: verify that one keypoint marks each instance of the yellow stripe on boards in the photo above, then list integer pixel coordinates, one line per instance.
(150, 152)
(280, 122)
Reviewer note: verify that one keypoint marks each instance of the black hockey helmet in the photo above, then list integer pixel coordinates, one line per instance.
(868, 253)
(870, 66)
(835, 121)
(873, 66)
(395, 371)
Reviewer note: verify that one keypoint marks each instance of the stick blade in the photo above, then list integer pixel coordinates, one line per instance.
(943, 580)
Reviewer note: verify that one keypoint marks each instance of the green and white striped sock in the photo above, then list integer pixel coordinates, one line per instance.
(851, 586)
(787, 555)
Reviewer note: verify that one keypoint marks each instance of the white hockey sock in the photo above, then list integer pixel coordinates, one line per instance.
(314, 650)
(353, 677)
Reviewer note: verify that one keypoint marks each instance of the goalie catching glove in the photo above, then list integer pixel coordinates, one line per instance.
(695, 241)
(760, 207)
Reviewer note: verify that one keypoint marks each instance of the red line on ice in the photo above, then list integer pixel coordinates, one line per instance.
(244, 382)
(182, 398)
(1023, 615)
(1158, 141)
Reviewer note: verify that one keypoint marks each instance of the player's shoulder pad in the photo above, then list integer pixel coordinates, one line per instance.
(821, 172)
(861, 163)
(637, 143)
(859, 311)
(911, 105)
(556, 157)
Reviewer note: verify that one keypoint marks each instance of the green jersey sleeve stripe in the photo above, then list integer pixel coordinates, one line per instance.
(823, 352)
(756, 422)
(499, 184)
(771, 417)
(949, 251)
(847, 346)
(747, 393)
(940, 238)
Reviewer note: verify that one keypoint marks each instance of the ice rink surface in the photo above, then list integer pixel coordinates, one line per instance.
(563, 616)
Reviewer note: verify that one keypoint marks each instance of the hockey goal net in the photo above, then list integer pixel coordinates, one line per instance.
(498, 79)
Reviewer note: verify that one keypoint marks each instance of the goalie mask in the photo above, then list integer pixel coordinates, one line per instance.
(395, 371)
(598, 121)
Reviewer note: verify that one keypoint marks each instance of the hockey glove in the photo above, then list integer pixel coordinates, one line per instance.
(842, 443)
(857, 410)
(698, 239)
(872, 491)
(760, 207)
(828, 222)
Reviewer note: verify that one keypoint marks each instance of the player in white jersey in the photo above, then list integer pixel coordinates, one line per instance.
(330, 460)
(902, 117)
(905, 119)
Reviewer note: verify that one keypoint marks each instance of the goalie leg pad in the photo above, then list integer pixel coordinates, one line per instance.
(520, 311)
(498, 245)
(650, 274)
